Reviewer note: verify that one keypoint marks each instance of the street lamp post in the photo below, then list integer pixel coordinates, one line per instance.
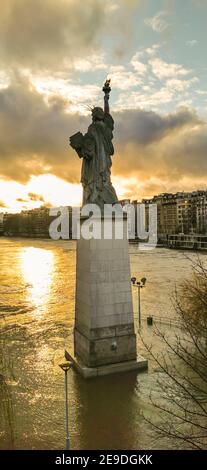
(139, 285)
(65, 367)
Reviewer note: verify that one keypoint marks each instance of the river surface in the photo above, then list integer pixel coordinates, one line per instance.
(37, 292)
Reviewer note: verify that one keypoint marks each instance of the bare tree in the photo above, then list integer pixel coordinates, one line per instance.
(182, 403)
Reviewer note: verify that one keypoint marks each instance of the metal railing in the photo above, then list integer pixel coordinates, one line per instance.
(170, 321)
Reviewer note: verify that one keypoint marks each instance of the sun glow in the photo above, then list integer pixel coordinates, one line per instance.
(56, 191)
(53, 191)
(126, 188)
(37, 267)
(48, 189)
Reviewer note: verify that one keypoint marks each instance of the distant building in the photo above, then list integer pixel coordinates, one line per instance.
(35, 222)
(1, 223)
(169, 216)
(31, 223)
(8, 222)
(180, 213)
(199, 210)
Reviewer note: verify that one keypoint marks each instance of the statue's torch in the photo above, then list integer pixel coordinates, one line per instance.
(106, 89)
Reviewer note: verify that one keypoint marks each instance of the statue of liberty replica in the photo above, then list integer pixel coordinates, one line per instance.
(96, 149)
(104, 334)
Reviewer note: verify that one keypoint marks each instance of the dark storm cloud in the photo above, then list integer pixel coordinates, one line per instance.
(44, 33)
(176, 155)
(168, 147)
(34, 139)
(144, 127)
(34, 135)
(52, 34)
(193, 146)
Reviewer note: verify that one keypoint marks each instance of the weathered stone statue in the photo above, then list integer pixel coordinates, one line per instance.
(104, 334)
(96, 149)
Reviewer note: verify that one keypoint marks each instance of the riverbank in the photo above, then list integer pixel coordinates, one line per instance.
(174, 242)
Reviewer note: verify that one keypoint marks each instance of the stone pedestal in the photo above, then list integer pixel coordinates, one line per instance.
(104, 333)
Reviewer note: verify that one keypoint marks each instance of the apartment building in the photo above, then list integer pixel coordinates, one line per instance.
(1, 222)
(180, 213)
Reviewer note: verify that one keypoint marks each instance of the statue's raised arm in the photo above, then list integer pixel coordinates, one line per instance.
(106, 89)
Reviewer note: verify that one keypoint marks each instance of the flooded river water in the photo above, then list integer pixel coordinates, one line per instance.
(37, 291)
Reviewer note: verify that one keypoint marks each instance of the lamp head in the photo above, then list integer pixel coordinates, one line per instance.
(65, 366)
(143, 281)
(133, 280)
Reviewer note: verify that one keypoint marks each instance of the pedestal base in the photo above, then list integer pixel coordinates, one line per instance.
(139, 365)
(104, 324)
(102, 346)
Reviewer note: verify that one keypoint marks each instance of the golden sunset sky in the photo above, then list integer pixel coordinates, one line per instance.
(54, 58)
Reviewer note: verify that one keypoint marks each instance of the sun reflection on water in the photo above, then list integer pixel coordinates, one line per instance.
(37, 267)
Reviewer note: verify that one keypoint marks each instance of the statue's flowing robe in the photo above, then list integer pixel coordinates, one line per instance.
(96, 151)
